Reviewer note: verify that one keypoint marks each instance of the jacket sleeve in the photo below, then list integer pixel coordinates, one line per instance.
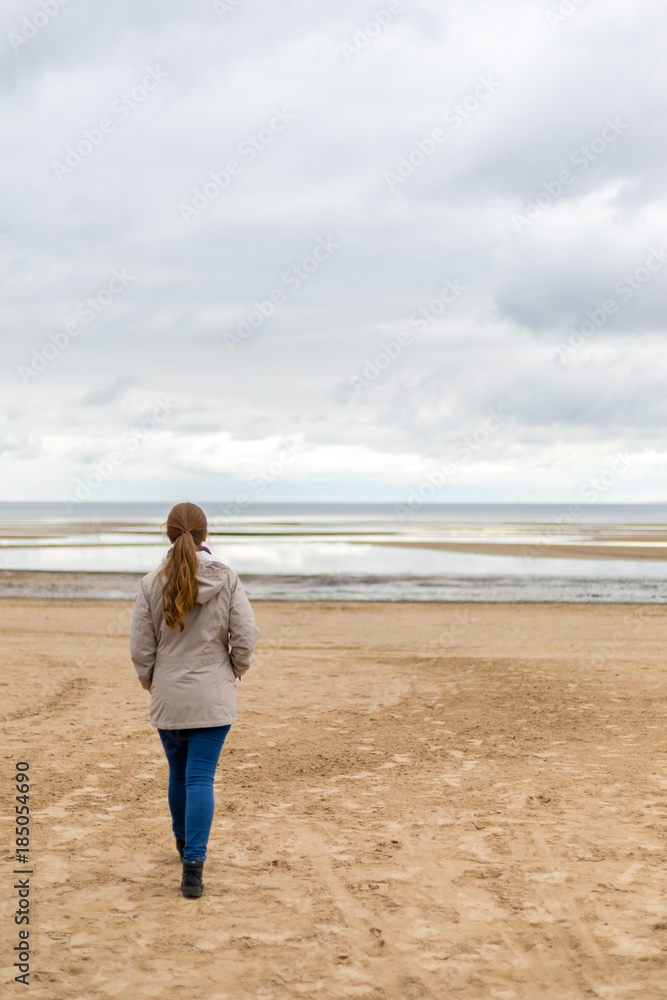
(143, 641)
(243, 632)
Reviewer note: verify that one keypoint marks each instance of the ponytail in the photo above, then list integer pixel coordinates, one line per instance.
(186, 528)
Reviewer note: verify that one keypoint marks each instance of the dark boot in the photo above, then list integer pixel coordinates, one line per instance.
(180, 844)
(191, 883)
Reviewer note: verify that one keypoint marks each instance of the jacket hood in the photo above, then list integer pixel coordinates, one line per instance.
(211, 576)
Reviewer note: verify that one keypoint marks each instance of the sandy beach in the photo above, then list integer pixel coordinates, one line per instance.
(418, 800)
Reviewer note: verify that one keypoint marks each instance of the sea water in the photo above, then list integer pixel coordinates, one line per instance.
(344, 551)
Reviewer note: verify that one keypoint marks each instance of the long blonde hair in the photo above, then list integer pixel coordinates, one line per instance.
(187, 528)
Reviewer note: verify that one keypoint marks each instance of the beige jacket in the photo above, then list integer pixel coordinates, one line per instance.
(192, 674)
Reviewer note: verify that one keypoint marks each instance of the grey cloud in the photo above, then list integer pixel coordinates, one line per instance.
(325, 174)
(107, 394)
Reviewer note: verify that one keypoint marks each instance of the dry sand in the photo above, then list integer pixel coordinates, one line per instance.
(441, 800)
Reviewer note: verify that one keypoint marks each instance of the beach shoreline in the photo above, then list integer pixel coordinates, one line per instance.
(626, 583)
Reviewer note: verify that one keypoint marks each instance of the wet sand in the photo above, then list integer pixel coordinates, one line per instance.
(547, 550)
(453, 800)
(23, 583)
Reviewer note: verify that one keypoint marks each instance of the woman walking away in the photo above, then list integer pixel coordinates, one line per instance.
(193, 633)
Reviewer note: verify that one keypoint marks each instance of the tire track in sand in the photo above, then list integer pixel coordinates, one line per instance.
(388, 966)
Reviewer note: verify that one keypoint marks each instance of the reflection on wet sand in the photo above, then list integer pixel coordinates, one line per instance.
(367, 554)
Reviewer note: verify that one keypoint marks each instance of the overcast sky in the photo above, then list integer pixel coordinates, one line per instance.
(333, 251)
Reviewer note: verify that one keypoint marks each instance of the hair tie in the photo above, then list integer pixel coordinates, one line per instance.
(183, 530)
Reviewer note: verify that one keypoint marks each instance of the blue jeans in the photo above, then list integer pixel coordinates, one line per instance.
(192, 755)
